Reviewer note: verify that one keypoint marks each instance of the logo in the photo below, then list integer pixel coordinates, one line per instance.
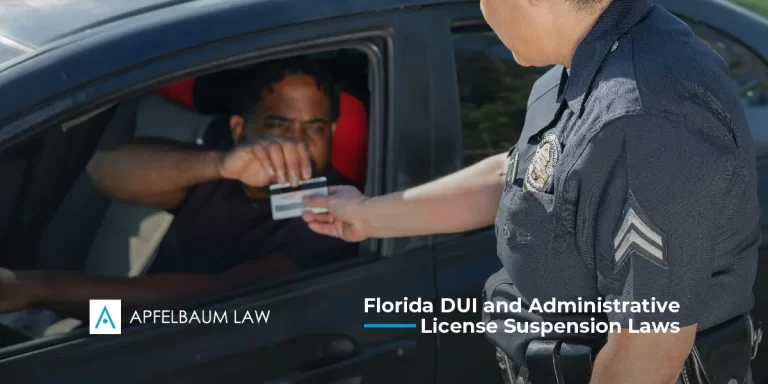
(105, 317)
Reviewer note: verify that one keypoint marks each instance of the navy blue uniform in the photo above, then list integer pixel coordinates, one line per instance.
(636, 181)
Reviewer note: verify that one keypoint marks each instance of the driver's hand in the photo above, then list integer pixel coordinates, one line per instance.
(12, 295)
(272, 160)
(345, 218)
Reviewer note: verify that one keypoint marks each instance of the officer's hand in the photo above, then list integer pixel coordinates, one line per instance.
(13, 297)
(345, 218)
(273, 160)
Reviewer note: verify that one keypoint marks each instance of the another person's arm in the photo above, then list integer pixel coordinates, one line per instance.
(643, 358)
(68, 293)
(158, 173)
(462, 201)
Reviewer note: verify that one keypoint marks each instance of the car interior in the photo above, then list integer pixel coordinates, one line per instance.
(53, 218)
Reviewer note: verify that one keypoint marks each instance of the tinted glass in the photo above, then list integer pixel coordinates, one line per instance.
(749, 74)
(36, 22)
(750, 78)
(493, 91)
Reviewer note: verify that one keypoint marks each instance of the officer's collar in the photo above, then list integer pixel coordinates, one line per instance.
(617, 19)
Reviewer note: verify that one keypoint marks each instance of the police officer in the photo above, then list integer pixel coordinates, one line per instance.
(634, 179)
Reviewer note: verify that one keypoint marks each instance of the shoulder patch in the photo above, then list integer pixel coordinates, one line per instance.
(637, 234)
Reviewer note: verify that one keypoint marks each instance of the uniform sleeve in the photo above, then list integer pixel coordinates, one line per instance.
(652, 195)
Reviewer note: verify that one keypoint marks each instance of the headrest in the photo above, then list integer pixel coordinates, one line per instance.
(158, 117)
(350, 141)
(181, 92)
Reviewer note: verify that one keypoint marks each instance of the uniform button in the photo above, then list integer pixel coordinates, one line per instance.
(615, 46)
(733, 381)
(506, 231)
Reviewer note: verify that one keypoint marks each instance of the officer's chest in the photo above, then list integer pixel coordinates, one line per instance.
(535, 224)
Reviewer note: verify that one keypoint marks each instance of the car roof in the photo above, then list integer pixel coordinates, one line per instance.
(26, 25)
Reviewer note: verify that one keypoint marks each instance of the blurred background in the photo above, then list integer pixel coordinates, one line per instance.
(759, 6)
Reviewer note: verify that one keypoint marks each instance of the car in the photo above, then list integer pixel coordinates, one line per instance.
(440, 92)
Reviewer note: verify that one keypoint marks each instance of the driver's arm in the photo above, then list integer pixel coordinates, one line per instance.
(153, 172)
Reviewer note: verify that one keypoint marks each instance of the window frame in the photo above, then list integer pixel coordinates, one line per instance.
(479, 27)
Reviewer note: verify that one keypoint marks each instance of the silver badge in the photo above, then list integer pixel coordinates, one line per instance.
(541, 171)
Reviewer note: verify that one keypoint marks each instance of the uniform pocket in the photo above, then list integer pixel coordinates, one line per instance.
(525, 244)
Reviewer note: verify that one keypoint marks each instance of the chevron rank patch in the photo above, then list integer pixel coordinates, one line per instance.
(637, 234)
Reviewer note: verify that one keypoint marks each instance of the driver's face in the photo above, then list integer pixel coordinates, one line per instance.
(295, 109)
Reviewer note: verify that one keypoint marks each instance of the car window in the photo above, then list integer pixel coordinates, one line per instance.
(493, 92)
(493, 89)
(749, 74)
(65, 215)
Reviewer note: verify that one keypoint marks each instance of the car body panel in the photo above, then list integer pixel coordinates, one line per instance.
(55, 70)
(37, 23)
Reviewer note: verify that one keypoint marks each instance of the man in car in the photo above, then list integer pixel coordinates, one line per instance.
(223, 236)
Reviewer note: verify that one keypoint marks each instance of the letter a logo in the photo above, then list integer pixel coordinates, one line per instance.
(105, 317)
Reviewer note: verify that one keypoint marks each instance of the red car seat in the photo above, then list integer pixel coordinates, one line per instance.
(180, 92)
(350, 140)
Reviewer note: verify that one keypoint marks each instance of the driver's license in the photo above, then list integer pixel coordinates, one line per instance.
(286, 200)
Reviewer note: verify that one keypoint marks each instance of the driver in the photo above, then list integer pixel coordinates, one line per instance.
(223, 236)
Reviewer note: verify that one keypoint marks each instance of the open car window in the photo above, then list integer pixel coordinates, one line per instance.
(56, 219)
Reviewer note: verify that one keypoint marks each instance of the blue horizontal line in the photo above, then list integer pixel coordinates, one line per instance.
(389, 325)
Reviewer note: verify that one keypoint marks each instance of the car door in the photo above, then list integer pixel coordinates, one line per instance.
(482, 95)
(315, 331)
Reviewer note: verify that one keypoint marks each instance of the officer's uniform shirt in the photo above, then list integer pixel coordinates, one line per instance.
(636, 181)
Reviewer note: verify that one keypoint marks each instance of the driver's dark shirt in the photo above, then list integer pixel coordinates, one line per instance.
(219, 227)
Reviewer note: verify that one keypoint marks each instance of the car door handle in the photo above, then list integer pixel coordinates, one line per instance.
(367, 359)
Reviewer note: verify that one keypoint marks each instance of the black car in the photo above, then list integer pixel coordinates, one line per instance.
(439, 92)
